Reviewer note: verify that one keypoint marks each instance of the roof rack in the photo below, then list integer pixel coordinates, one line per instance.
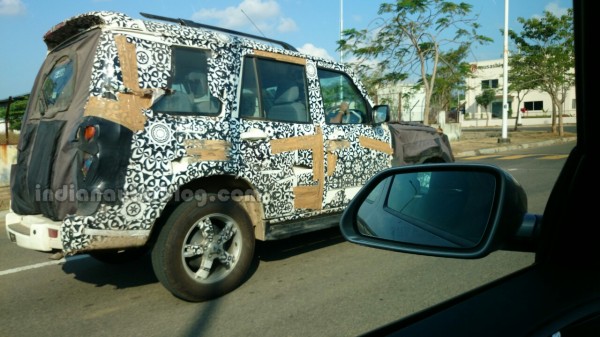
(190, 23)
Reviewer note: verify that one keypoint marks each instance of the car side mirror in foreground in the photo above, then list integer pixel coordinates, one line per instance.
(450, 210)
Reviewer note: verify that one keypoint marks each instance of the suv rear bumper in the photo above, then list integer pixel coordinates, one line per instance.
(33, 232)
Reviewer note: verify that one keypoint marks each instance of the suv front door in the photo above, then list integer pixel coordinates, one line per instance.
(355, 148)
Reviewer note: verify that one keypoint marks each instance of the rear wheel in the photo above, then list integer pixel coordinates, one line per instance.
(203, 252)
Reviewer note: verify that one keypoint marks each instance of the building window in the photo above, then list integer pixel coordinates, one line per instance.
(489, 84)
(573, 104)
(534, 105)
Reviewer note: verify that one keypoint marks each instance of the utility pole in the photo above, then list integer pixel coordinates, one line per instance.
(341, 52)
(505, 138)
(341, 29)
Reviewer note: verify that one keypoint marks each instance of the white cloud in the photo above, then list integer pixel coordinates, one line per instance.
(286, 25)
(555, 9)
(310, 49)
(264, 14)
(11, 7)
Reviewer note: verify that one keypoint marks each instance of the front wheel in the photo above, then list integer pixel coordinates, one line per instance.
(203, 252)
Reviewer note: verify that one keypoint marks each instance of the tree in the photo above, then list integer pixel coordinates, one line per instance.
(485, 99)
(408, 38)
(546, 45)
(450, 77)
(519, 82)
(17, 109)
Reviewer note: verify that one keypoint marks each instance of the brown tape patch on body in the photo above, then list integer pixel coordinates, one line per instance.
(127, 109)
(280, 57)
(208, 149)
(375, 144)
(128, 60)
(331, 163)
(306, 196)
(332, 157)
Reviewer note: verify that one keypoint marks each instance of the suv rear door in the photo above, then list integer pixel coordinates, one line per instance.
(282, 147)
(46, 159)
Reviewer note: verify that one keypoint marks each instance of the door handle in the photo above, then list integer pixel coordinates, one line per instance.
(253, 135)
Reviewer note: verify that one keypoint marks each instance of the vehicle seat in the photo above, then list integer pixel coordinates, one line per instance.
(197, 88)
(287, 107)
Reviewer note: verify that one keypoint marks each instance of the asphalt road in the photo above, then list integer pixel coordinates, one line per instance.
(313, 285)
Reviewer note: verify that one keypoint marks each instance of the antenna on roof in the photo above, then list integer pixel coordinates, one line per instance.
(190, 23)
(255, 26)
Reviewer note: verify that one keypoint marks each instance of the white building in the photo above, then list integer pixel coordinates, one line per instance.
(489, 74)
(406, 103)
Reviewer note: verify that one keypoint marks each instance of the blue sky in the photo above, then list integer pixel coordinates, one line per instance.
(312, 26)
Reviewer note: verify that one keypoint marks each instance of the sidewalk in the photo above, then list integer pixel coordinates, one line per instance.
(472, 143)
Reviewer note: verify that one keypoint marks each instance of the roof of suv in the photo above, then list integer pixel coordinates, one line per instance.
(76, 24)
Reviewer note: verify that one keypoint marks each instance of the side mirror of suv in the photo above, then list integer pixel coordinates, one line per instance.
(381, 114)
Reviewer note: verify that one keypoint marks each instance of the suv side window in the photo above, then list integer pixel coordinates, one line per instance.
(189, 92)
(342, 101)
(273, 90)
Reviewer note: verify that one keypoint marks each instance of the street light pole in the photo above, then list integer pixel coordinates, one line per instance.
(341, 29)
(505, 138)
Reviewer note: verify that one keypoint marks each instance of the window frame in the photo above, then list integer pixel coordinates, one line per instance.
(260, 78)
(353, 89)
(208, 54)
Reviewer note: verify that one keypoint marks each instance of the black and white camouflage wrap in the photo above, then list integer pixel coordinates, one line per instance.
(156, 169)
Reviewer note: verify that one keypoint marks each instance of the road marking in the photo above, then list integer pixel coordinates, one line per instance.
(480, 157)
(519, 156)
(553, 157)
(40, 265)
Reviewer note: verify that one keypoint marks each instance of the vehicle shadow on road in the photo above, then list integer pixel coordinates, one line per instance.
(139, 272)
(284, 248)
(126, 275)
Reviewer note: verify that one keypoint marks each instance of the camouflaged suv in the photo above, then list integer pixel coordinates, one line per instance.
(192, 142)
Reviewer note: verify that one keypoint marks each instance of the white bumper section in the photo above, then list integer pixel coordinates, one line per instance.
(33, 232)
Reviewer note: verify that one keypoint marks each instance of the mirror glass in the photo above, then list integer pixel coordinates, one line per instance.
(380, 114)
(434, 208)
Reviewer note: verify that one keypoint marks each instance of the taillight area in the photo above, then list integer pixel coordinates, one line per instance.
(86, 164)
(88, 147)
(89, 132)
(52, 233)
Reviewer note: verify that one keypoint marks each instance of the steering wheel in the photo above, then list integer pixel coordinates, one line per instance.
(351, 117)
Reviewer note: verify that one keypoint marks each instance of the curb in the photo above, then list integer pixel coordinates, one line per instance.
(493, 150)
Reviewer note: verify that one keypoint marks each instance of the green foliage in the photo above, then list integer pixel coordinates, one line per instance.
(405, 41)
(450, 77)
(485, 98)
(17, 110)
(545, 56)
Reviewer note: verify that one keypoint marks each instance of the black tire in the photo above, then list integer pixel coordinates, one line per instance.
(183, 231)
(118, 256)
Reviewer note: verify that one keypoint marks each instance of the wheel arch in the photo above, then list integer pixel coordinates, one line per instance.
(245, 194)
